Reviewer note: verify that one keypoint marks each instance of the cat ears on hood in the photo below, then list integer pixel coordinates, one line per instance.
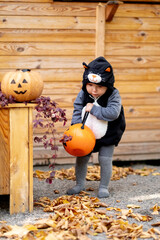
(85, 65)
(108, 69)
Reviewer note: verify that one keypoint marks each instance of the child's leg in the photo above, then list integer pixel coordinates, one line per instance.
(105, 161)
(81, 171)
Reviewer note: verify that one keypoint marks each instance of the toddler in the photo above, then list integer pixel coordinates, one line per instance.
(106, 119)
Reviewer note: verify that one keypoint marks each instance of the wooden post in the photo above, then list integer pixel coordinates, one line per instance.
(100, 39)
(100, 30)
(17, 154)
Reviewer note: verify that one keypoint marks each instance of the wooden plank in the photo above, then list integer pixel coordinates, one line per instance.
(54, 75)
(139, 1)
(47, 9)
(49, 62)
(90, 4)
(59, 131)
(143, 74)
(140, 99)
(30, 159)
(131, 157)
(122, 149)
(135, 23)
(19, 105)
(75, 35)
(120, 36)
(123, 87)
(68, 160)
(90, 1)
(142, 123)
(132, 49)
(100, 30)
(18, 160)
(134, 152)
(62, 156)
(133, 62)
(75, 75)
(138, 10)
(47, 22)
(39, 152)
(61, 87)
(47, 162)
(130, 99)
(141, 151)
(37, 1)
(138, 148)
(70, 49)
(49, 49)
(141, 136)
(142, 111)
(47, 35)
(4, 152)
(131, 109)
(138, 86)
(65, 101)
(137, 157)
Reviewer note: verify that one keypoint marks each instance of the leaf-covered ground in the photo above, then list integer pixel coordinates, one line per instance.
(93, 173)
(84, 216)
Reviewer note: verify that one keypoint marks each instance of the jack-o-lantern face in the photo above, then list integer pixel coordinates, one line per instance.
(24, 85)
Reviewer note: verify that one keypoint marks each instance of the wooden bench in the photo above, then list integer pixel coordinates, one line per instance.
(16, 156)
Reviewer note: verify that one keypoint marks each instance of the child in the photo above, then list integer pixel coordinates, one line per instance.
(106, 119)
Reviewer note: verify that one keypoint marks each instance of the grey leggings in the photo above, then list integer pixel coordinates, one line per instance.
(105, 161)
(106, 151)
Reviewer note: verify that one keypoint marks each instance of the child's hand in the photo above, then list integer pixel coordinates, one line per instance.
(89, 107)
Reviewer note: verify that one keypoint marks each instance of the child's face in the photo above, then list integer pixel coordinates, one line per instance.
(95, 90)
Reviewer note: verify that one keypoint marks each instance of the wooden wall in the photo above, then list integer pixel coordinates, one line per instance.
(55, 38)
(133, 47)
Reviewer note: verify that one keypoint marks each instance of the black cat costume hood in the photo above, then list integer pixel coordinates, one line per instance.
(102, 72)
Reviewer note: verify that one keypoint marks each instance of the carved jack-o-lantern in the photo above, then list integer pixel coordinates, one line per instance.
(24, 85)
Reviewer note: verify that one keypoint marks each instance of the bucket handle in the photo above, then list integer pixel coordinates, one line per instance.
(84, 119)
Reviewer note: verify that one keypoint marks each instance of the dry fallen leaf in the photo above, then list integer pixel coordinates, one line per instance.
(144, 172)
(42, 174)
(156, 174)
(18, 231)
(132, 206)
(155, 209)
(90, 189)
(156, 224)
(56, 191)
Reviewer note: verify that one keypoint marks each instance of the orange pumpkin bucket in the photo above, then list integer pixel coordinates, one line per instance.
(83, 139)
